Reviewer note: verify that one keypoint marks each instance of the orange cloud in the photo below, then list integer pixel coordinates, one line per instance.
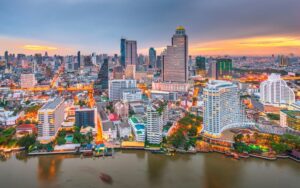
(249, 46)
(39, 48)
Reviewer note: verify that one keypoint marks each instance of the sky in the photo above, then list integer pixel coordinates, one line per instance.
(214, 27)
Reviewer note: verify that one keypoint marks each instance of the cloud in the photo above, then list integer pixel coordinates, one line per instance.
(39, 48)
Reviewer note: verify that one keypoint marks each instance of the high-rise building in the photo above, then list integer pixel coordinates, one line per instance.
(283, 61)
(28, 80)
(123, 52)
(103, 75)
(200, 63)
(6, 57)
(131, 52)
(157, 117)
(115, 88)
(275, 91)
(152, 57)
(221, 68)
(78, 60)
(222, 108)
(86, 117)
(158, 62)
(175, 58)
(50, 118)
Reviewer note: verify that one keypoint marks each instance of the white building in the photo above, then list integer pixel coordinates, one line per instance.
(157, 117)
(132, 94)
(27, 80)
(221, 107)
(109, 131)
(115, 88)
(124, 130)
(275, 91)
(50, 119)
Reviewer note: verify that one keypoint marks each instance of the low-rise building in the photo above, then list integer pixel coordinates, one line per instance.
(109, 131)
(124, 130)
(290, 118)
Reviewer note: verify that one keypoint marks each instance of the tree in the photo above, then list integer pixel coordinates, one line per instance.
(193, 131)
(238, 138)
(26, 141)
(61, 140)
(177, 139)
(27, 121)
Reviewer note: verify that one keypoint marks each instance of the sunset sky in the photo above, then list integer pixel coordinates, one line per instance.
(214, 27)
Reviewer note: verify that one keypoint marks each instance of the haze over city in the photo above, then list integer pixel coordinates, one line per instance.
(233, 27)
(150, 93)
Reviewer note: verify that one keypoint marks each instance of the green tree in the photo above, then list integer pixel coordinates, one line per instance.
(61, 140)
(27, 141)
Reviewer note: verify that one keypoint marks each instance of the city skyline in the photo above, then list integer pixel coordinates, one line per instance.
(227, 28)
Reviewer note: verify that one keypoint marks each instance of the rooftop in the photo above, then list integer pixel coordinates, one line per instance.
(51, 105)
(292, 113)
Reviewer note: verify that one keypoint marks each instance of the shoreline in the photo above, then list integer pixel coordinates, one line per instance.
(177, 151)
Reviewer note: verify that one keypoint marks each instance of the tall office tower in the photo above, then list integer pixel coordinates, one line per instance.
(131, 53)
(275, 91)
(103, 75)
(224, 67)
(152, 57)
(123, 52)
(130, 71)
(50, 118)
(94, 59)
(220, 68)
(221, 107)
(78, 60)
(115, 88)
(86, 117)
(158, 62)
(175, 59)
(7, 65)
(283, 61)
(157, 117)
(28, 80)
(200, 65)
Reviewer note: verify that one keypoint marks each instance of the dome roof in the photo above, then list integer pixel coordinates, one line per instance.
(180, 28)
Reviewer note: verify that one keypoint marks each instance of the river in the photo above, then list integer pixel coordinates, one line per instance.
(139, 169)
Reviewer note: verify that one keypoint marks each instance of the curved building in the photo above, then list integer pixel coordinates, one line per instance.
(275, 91)
(222, 108)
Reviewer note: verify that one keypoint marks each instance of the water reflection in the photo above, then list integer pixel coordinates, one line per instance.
(221, 172)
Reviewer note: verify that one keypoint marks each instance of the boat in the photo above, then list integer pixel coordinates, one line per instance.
(158, 152)
(87, 153)
(106, 178)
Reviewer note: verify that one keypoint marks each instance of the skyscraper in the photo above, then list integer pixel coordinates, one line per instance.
(131, 53)
(175, 59)
(123, 52)
(283, 61)
(220, 68)
(200, 65)
(152, 57)
(275, 91)
(7, 65)
(78, 59)
(103, 75)
(221, 107)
